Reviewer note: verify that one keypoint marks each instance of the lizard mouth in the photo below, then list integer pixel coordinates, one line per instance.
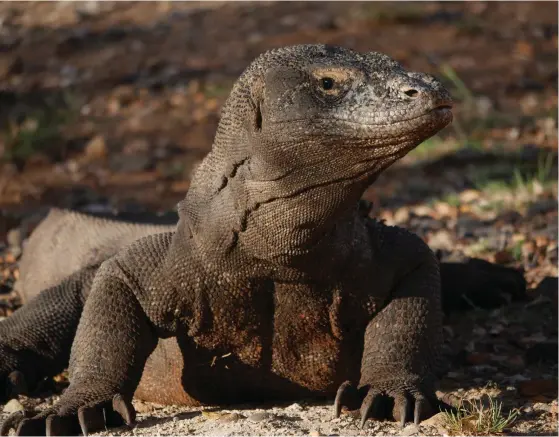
(443, 106)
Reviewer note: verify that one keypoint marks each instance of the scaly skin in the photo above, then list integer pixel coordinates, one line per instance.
(274, 285)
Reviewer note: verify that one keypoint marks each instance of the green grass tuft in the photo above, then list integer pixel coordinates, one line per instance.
(477, 417)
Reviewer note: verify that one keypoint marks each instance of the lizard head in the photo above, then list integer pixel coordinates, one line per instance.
(305, 130)
(335, 101)
(337, 95)
(328, 111)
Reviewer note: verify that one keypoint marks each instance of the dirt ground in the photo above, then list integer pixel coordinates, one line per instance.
(111, 105)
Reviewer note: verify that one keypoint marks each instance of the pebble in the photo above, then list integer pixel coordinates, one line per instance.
(14, 238)
(259, 417)
(436, 420)
(143, 407)
(410, 430)
(442, 240)
(231, 417)
(402, 215)
(469, 196)
(540, 406)
(96, 148)
(12, 406)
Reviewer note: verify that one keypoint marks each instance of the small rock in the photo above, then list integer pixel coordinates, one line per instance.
(410, 430)
(540, 406)
(259, 417)
(95, 149)
(13, 406)
(402, 215)
(484, 105)
(87, 9)
(314, 433)
(446, 210)
(231, 417)
(438, 421)
(423, 211)
(553, 409)
(14, 238)
(441, 240)
(295, 407)
(468, 196)
(143, 407)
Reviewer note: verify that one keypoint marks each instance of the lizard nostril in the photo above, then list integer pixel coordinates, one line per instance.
(410, 92)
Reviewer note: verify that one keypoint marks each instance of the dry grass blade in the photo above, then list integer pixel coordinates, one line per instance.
(477, 417)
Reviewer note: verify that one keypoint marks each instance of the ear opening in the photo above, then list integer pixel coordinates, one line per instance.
(257, 117)
(256, 96)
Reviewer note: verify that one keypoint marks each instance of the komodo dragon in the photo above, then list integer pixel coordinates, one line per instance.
(273, 284)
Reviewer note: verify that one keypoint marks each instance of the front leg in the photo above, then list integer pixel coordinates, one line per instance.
(113, 341)
(402, 341)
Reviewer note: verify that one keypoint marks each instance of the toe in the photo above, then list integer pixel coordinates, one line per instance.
(31, 427)
(369, 403)
(91, 419)
(422, 409)
(125, 409)
(62, 425)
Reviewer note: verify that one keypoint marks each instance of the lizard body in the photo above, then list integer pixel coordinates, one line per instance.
(272, 285)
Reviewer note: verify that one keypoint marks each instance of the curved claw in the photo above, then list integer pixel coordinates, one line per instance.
(13, 421)
(341, 394)
(422, 408)
(403, 412)
(61, 425)
(91, 419)
(401, 409)
(31, 427)
(125, 409)
(65, 421)
(367, 405)
(417, 411)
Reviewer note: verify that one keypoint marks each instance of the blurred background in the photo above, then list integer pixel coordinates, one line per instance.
(110, 106)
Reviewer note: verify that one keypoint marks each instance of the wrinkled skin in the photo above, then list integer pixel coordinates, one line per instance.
(274, 285)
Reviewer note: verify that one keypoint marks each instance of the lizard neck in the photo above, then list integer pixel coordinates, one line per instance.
(249, 210)
(261, 195)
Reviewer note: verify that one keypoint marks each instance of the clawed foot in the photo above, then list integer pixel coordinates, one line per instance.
(401, 404)
(66, 418)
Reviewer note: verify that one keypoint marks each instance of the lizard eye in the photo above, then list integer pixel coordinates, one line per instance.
(327, 83)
